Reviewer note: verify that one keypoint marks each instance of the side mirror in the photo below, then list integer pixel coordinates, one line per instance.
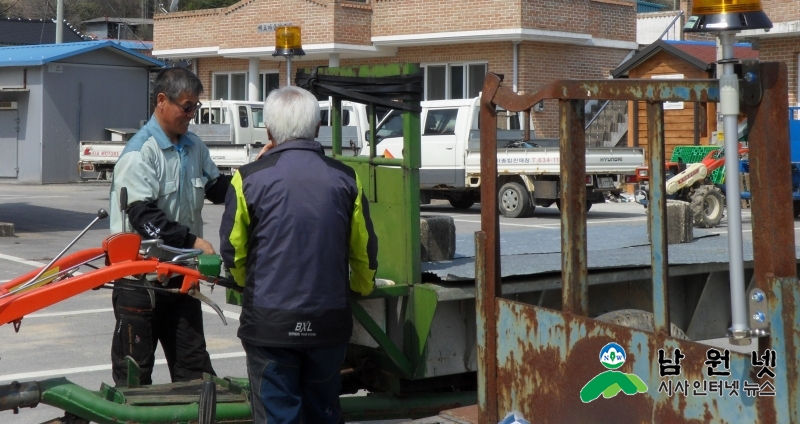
(366, 136)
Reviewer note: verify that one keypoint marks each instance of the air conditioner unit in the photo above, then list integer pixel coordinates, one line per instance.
(8, 105)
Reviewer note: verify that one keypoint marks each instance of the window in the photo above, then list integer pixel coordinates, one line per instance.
(258, 117)
(454, 80)
(231, 86)
(324, 117)
(243, 121)
(234, 86)
(392, 127)
(440, 122)
(270, 81)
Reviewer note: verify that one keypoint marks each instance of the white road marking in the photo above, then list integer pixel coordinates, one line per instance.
(228, 314)
(21, 260)
(61, 314)
(93, 368)
(557, 225)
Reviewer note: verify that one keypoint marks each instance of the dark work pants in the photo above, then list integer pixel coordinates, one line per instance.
(288, 384)
(176, 322)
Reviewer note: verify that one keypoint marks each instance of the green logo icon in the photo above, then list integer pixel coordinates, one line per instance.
(610, 383)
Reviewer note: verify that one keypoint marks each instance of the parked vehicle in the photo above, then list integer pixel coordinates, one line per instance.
(234, 132)
(529, 169)
(691, 183)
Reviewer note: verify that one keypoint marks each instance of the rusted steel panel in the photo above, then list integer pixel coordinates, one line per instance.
(658, 216)
(770, 178)
(632, 89)
(575, 297)
(545, 358)
(488, 266)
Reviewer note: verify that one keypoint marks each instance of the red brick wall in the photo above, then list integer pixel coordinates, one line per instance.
(539, 64)
(343, 21)
(781, 10)
(613, 19)
(236, 26)
(396, 17)
(783, 50)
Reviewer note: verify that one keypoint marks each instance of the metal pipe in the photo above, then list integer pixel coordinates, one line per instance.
(16, 395)
(101, 214)
(288, 70)
(515, 72)
(729, 107)
(60, 21)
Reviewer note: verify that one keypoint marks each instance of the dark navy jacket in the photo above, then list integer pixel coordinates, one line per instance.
(296, 233)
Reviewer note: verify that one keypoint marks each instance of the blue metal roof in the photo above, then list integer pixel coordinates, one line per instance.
(648, 7)
(37, 55)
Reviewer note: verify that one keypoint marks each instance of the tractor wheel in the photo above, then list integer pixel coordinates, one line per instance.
(640, 320)
(708, 205)
(514, 201)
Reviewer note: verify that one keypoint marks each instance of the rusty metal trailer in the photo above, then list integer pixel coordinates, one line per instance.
(538, 360)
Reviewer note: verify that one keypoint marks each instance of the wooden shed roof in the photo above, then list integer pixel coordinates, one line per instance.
(701, 54)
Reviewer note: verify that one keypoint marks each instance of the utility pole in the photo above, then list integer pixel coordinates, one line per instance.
(59, 21)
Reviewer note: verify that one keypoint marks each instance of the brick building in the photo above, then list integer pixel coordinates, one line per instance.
(782, 42)
(531, 42)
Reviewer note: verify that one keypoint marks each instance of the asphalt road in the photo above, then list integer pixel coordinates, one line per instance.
(73, 338)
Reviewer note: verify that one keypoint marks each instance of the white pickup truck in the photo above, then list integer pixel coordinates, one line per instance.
(234, 133)
(529, 172)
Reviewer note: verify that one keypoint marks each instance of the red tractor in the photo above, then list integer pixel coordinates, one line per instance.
(691, 183)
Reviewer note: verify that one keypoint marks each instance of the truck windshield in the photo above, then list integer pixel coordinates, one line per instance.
(392, 127)
(258, 117)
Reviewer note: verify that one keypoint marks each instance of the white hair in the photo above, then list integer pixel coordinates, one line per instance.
(291, 113)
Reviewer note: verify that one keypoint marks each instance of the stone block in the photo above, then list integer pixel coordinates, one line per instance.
(6, 229)
(437, 237)
(679, 222)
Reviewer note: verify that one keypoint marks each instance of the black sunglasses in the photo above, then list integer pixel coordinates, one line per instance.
(187, 109)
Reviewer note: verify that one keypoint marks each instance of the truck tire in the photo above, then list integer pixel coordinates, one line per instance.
(461, 203)
(796, 208)
(640, 320)
(514, 201)
(708, 205)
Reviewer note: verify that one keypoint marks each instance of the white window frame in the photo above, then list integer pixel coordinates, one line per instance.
(262, 77)
(448, 65)
(230, 75)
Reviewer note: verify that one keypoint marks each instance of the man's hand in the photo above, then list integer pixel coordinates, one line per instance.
(203, 245)
(265, 149)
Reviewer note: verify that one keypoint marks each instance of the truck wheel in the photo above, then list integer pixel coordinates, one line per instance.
(707, 206)
(461, 203)
(640, 320)
(513, 200)
(796, 208)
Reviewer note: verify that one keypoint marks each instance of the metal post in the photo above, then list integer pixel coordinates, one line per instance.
(60, 22)
(574, 274)
(288, 70)
(657, 215)
(729, 108)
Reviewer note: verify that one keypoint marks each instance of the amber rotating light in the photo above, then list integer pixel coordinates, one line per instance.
(726, 15)
(287, 42)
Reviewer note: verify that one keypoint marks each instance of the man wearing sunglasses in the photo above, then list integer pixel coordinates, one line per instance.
(167, 172)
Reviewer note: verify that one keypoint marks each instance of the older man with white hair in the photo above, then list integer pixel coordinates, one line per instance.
(297, 235)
